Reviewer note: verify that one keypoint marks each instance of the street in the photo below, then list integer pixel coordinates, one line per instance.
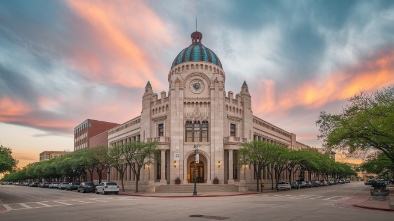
(321, 203)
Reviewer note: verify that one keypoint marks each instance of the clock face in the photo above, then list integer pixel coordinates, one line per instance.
(196, 86)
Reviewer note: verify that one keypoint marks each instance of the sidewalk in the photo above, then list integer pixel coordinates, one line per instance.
(363, 201)
(183, 195)
(368, 203)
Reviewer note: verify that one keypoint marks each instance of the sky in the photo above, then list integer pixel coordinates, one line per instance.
(65, 61)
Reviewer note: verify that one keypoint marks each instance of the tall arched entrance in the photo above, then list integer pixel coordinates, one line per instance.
(201, 166)
(199, 173)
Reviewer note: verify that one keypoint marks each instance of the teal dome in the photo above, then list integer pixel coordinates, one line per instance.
(196, 52)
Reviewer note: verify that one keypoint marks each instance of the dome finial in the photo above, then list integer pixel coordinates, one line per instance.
(196, 36)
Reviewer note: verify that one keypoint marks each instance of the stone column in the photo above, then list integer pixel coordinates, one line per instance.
(163, 167)
(230, 167)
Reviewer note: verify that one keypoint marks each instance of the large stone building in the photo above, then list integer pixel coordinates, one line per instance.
(197, 111)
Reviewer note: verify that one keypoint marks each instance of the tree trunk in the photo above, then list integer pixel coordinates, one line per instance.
(91, 175)
(256, 174)
(121, 173)
(100, 175)
(137, 179)
(272, 177)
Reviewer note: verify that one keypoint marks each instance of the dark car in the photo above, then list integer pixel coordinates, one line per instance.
(295, 185)
(370, 182)
(73, 186)
(44, 185)
(34, 184)
(86, 187)
(302, 184)
(308, 184)
(315, 183)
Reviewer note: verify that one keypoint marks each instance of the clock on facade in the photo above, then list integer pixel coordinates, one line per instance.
(196, 86)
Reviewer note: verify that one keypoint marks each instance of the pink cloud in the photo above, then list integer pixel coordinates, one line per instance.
(341, 85)
(12, 108)
(121, 30)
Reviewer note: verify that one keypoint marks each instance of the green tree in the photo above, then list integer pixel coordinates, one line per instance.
(7, 162)
(380, 165)
(280, 158)
(366, 122)
(101, 153)
(256, 153)
(137, 154)
(117, 160)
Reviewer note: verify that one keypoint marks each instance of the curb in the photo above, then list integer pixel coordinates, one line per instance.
(143, 195)
(373, 208)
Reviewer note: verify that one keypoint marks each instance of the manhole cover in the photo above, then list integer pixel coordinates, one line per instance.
(210, 217)
(196, 215)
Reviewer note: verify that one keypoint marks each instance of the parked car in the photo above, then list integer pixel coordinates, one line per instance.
(331, 182)
(302, 184)
(72, 186)
(86, 187)
(44, 185)
(370, 182)
(341, 181)
(53, 185)
(295, 185)
(315, 183)
(308, 184)
(107, 187)
(323, 182)
(347, 180)
(283, 186)
(62, 185)
(34, 184)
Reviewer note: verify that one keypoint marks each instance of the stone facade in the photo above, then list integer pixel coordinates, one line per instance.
(197, 111)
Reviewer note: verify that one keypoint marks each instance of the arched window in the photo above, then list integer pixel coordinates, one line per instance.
(196, 131)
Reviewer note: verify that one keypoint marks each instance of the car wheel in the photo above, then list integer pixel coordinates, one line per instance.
(116, 193)
(105, 193)
(97, 192)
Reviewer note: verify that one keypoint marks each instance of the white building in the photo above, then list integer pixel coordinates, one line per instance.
(197, 110)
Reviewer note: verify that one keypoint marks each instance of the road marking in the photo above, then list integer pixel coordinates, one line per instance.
(68, 204)
(46, 205)
(26, 206)
(8, 208)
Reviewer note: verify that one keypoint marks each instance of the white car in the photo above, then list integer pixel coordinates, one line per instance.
(107, 187)
(53, 185)
(283, 186)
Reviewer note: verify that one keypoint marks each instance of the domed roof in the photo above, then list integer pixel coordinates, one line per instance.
(196, 52)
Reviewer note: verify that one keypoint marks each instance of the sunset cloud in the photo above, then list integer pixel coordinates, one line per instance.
(367, 76)
(122, 39)
(9, 108)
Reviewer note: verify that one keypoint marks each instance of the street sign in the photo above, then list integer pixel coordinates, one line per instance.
(176, 156)
(197, 158)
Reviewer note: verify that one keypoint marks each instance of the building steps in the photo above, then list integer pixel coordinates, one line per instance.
(188, 188)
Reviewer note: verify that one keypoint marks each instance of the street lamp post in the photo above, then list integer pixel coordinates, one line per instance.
(195, 170)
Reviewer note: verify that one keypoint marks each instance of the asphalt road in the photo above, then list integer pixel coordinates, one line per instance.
(322, 203)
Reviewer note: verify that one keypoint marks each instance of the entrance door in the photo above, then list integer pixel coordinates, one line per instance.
(200, 172)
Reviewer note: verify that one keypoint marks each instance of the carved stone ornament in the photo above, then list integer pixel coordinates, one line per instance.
(196, 116)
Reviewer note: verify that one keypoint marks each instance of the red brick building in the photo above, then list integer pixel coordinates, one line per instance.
(88, 129)
(90, 134)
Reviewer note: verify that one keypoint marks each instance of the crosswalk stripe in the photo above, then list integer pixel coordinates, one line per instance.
(7, 207)
(26, 206)
(68, 204)
(46, 205)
